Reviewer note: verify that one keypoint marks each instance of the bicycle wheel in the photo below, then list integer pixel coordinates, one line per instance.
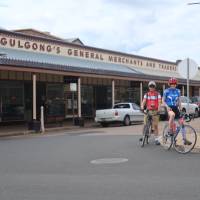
(167, 140)
(144, 136)
(185, 139)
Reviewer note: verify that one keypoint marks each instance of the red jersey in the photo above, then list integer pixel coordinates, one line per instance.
(152, 99)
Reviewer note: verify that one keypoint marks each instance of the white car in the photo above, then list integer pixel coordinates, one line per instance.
(193, 108)
(121, 112)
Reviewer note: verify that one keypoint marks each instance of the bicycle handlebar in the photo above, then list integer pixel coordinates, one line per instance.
(147, 111)
(185, 116)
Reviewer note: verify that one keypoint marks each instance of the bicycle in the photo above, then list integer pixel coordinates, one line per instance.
(147, 129)
(185, 137)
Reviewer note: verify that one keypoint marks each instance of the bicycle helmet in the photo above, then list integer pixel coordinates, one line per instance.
(172, 80)
(152, 83)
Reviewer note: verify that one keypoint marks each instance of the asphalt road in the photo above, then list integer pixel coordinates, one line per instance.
(60, 167)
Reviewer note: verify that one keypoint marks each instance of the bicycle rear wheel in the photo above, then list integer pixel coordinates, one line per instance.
(167, 139)
(185, 139)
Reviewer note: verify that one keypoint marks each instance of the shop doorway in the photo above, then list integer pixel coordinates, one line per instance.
(11, 101)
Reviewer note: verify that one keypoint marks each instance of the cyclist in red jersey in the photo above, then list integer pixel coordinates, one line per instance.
(152, 102)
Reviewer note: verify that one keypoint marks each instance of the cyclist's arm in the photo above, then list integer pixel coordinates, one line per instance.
(164, 103)
(144, 101)
(159, 101)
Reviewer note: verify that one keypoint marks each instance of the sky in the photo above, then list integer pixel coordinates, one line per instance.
(163, 29)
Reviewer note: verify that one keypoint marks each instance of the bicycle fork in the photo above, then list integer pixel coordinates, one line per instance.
(183, 131)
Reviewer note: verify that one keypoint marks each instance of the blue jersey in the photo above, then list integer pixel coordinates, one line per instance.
(171, 96)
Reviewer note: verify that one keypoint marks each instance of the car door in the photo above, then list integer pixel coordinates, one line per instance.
(137, 114)
(192, 107)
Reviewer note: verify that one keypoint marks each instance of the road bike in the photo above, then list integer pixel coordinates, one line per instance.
(183, 139)
(147, 129)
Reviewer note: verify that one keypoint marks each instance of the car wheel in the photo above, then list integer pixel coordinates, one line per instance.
(196, 113)
(184, 110)
(127, 121)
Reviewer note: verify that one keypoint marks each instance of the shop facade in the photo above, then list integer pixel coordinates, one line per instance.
(38, 71)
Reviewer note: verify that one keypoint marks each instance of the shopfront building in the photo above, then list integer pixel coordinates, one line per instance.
(38, 71)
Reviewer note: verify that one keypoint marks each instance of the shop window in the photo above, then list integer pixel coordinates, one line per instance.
(55, 107)
(27, 76)
(94, 81)
(42, 77)
(37, 77)
(12, 75)
(84, 80)
(4, 74)
(109, 81)
(71, 104)
(57, 78)
(90, 81)
(86, 100)
(19, 76)
(102, 97)
(124, 94)
(49, 78)
(11, 101)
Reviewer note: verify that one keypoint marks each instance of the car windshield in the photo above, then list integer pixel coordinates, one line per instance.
(183, 99)
(195, 99)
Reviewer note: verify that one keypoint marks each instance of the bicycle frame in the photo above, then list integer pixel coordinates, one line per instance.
(180, 126)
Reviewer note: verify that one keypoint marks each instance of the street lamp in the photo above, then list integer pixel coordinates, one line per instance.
(193, 3)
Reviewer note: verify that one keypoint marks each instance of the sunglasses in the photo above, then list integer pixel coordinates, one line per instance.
(152, 86)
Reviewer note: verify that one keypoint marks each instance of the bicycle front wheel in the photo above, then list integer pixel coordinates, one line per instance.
(144, 136)
(185, 140)
(167, 139)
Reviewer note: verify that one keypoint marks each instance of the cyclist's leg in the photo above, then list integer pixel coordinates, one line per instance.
(186, 140)
(183, 130)
(155, 121)
(171, 115)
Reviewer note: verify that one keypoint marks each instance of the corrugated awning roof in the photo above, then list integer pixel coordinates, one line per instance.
(72, 64)
(164, 73)
(54, 61)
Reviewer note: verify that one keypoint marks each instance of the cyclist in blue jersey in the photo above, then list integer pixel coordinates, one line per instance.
(171, 99)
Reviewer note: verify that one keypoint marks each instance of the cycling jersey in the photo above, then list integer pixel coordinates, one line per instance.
(171, 96)
(152, 98)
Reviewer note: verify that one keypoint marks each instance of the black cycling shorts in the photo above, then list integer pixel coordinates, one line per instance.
(176, 111)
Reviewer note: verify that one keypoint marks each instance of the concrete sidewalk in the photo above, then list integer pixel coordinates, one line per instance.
(68, 127)
(22, 129)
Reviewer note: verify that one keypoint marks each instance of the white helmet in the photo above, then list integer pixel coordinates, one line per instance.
(152, 83)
